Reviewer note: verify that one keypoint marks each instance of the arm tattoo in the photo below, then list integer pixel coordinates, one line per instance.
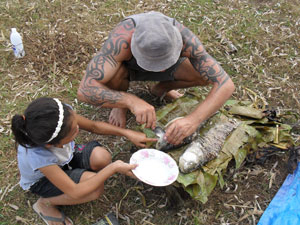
(98, 66)
(207, 66)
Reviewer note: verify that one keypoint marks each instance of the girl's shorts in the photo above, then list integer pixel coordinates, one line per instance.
(79, 164)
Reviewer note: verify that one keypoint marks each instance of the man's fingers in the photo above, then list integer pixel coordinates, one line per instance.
(178, 139)
(179, 134)
(149, 120)
(143, 118)
(171, 131)
(145, 114)
(153, 119)
(138, 119)
(174, 134)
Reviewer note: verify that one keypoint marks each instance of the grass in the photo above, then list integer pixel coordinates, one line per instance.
(60, 37)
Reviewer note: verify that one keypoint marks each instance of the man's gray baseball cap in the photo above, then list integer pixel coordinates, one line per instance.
(156, 43)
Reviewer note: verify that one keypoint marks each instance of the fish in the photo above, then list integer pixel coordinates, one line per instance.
(206, 147)
(163, 145)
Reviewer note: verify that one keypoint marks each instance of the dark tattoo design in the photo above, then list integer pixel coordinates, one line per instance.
(206, 65)
(93, 91)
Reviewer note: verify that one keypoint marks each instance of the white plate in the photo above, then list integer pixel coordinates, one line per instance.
(154, 167)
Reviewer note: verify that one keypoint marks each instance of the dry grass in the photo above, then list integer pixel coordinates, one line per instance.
(60, 37)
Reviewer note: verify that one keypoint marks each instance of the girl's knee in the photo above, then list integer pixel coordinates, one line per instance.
(99, 158)
(102, 155)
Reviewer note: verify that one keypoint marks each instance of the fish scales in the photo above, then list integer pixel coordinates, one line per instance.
(207, 147)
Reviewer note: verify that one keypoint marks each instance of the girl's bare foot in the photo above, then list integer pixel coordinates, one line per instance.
(117, 117)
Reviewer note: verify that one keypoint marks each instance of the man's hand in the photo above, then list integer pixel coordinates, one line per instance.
(144, 112)
(138, 138)
(179, 129)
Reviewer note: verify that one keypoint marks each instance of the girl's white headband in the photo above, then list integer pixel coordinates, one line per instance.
(60, 120)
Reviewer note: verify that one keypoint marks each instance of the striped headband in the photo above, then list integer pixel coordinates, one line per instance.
(60, 120)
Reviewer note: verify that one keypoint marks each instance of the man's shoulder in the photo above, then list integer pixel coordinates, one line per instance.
(127, 23)
(124, 29)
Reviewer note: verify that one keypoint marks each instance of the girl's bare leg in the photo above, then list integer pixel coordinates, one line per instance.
(99, 158)
(47, 206)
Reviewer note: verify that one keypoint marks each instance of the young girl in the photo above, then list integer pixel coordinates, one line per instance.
(54, 167)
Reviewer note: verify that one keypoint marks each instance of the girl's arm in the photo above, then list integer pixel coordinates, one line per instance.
(63, 182)
(99, 127)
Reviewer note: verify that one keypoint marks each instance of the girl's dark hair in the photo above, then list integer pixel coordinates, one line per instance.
(39, 122)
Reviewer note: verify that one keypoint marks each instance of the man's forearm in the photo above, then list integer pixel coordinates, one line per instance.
(100, 96)
(213, 102)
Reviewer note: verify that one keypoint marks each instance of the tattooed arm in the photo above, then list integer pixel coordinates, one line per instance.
(101, 73)
(207, 66)
(212, 73)
(105, 65)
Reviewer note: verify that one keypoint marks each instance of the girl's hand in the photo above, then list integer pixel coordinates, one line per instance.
(124, 168)
(138, 138)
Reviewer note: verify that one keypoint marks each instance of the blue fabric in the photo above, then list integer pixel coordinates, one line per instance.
(284, 209)
(29, 162)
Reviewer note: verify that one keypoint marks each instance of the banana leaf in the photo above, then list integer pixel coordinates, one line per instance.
(246, 111)
(253, 131)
